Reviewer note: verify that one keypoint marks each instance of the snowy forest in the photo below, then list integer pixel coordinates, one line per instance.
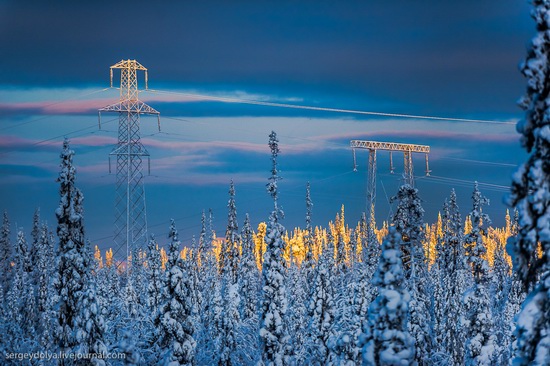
(403, 292)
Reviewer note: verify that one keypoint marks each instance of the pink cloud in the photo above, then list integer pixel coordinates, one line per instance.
(201, 179)
(56, 107)
(209, 146)
(11, 141)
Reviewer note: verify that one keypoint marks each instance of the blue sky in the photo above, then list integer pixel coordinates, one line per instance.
(436, 58)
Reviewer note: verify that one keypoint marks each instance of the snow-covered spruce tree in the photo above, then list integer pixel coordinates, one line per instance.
(210, 289)
(321, 311)
(437, 272)
(213, 330)
(516, 297)
(35, 235)
(481, 347)
(5, 253)
(248, 275)
(309, 261)
(155, 280)
(92, 334)
(386, 338)
(199, 269)
(78, 327)
(202, 241)
(229, 352)
(409, 222)
(229, 322)
(44, 270)
(273, 333)
(363, 295)
(370, 241)
(531, 196)
(296, 316)
(229, 254)
(371, 247)
(177, 328)
(499, 291)
(343, 338)
(455, 279)
(194, 273)
(20, 298)
(473, 242)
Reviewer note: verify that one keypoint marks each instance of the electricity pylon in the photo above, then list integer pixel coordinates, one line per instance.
(130, 209)
(373, 146)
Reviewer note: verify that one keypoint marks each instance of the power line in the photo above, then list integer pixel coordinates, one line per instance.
(56, 137)
(325, 109)
(481, 161)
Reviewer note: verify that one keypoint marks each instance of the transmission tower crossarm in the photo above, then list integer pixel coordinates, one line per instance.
(373, 146)
(129, 64)
(389, 146)
(137, 107)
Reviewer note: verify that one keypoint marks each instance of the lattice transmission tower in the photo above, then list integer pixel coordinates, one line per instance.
(373, 146)
(130, 208)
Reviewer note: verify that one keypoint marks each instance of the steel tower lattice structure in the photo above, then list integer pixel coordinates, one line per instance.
(373, 146)
(130, 208)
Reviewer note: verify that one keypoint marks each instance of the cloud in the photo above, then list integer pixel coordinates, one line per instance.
(201, 179)
(443, 135)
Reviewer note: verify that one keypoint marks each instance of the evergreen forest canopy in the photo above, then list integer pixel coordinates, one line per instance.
(443, 293)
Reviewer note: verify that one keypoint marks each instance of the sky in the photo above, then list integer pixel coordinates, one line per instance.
(429, 58)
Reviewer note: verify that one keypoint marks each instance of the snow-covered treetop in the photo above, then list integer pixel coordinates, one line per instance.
(479, 219)
(309, 206)
(390, 274)
(68, 171)
(274, 147)
(409, 215)
(231, 235)
(175, 244)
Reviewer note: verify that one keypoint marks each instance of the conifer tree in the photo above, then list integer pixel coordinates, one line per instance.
(35, 235)
(500, 294)
(386, 339)
(248, 274)
(177, 328)
(321, 311)
(44, 269)
(230, 322)
(308, 262)
(229, 255)
(455, 280)
(481, 343)
(202, 242)
(363, 295)
(531, 196)
(155, 279)
(21, 306)
(273, 332)
(409, 222)
(78, 323)
(296, 316)
(5, 253)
